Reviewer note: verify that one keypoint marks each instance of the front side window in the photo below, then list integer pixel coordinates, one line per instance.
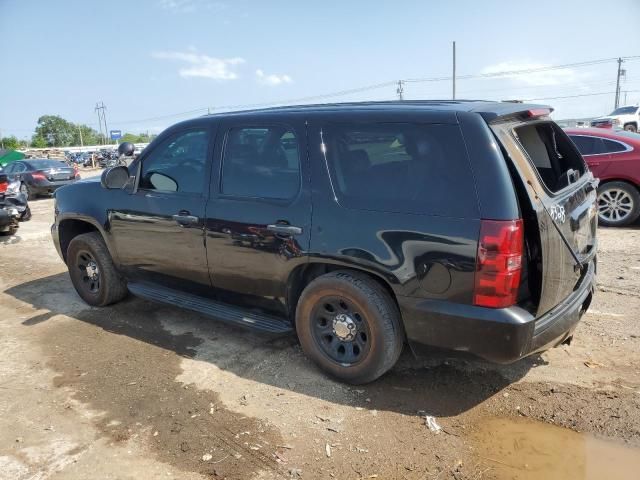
(261, 162)
(588, 145)
(401, 167)
(178, 164)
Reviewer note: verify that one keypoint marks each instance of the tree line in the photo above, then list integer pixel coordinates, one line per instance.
(55, 131)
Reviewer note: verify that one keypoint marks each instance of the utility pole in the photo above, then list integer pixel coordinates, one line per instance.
(400, 90)
(80, 132)
(453, 96)
(102, 118)
(617, 102)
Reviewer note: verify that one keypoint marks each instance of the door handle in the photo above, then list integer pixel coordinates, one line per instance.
(185, 218)
(283, 229)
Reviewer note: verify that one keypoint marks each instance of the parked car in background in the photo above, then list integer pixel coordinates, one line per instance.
(9, 214)
(627, 118)
(41, 176)
(614, 157)
(468, 226)
(11, 195)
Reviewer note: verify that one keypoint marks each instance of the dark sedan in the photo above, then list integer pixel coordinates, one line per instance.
(41, 176)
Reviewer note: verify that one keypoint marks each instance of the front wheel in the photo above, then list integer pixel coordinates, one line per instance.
(631, 127)
(349, 326)
(618, 204)
(92, 272)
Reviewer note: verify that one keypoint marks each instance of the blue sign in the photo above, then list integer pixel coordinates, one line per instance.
(115, 134)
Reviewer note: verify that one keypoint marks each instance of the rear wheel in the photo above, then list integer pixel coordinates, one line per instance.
(92, 271)
(630, 127)
(26, 191)
(349, 326)
(618, 204)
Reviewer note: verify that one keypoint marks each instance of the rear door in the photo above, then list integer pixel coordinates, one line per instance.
(562, 193)
(259, 217)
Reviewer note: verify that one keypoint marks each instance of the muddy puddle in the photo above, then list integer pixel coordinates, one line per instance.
(524, 449)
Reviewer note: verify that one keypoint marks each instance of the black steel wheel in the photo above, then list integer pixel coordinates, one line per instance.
(350, 326)
(92, 272)
(340, 330)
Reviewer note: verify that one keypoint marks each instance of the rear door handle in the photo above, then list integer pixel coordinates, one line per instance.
(185, 218)
(283, 229)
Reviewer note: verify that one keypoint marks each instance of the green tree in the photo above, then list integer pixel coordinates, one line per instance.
(38, 142)
(10, 143)
(89, 135)
(129, 137)
(55, 130)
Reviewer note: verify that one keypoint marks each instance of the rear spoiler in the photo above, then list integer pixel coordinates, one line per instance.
(513, 110)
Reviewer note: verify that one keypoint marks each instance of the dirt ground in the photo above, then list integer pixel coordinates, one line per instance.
(141, 390)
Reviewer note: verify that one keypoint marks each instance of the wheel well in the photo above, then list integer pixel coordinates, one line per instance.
(630, 123)
(69, 229)
(623, 180)
(304, 274)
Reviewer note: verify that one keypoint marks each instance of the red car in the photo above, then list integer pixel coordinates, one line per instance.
(614, 157)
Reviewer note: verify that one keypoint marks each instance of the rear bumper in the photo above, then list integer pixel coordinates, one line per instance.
(46, 186)
(498, 335)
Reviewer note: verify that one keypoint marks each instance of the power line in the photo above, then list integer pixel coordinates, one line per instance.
(576, 96)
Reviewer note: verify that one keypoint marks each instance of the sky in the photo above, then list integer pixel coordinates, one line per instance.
(156, 62)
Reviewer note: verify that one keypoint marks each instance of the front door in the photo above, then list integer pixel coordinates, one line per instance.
(159, 231)
(259, 216)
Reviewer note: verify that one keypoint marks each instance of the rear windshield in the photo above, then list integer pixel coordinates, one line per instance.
(551, 153)
(46, 164)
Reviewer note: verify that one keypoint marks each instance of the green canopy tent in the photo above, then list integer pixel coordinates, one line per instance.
(8, 156)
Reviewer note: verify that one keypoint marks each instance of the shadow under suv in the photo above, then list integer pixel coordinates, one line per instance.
(463, 225)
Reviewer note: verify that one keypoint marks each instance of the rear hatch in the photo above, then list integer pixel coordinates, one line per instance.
(558, 201)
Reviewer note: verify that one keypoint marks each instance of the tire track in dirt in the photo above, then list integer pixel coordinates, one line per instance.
(124, 365)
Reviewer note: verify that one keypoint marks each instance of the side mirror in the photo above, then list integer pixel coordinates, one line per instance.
(114, 178)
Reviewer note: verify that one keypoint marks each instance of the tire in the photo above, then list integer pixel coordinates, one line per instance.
(618, 204)
(630, 127)
(107, 286)
(363, 323)
(24, 188)
(26, 215)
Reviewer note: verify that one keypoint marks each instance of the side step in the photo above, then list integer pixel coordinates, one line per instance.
(218, 310)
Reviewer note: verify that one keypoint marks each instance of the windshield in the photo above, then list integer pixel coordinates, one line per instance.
(624, 111)
(46, 164)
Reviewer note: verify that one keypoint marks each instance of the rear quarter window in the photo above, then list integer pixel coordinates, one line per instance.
(401, 167)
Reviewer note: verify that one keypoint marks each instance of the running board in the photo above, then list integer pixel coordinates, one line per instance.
(218, 310)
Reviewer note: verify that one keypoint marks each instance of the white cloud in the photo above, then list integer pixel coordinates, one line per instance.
(200, 65)
(272, 79)
(189, 6)
(541, 78)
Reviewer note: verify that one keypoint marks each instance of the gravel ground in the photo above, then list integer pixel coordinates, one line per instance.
(141, 390)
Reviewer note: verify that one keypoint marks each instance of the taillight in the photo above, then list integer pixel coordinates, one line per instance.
(4, 186)
(38, 176)
(75, 170)
(499, 263)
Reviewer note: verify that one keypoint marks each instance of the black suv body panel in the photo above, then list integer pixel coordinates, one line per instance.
(247, 250)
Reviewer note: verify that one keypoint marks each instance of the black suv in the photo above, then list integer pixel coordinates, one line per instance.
(464, 225)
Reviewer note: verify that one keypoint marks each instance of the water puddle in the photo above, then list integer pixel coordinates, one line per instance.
(524, 449)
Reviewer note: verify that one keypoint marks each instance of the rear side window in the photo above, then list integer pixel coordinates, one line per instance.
(551, 153)
(261, 162)
(401, 167)
(611, 146)
(588, 145)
